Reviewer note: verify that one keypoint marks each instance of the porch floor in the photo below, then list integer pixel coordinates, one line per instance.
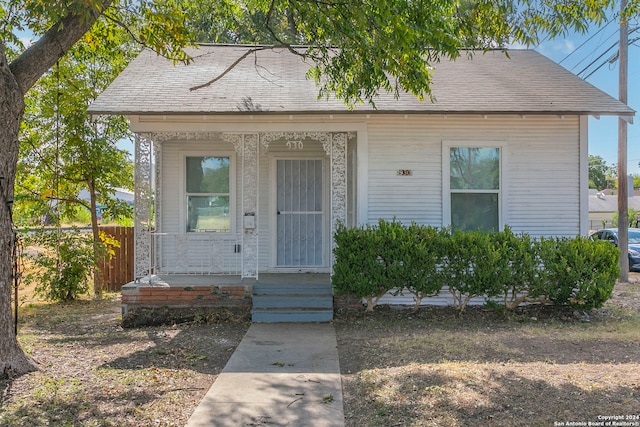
(230, 280)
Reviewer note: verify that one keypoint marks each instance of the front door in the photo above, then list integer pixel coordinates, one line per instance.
(300, 213)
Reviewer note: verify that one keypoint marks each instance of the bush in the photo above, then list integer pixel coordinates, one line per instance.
(424, 255)
(360, 270)
(522, 254)
(62, 265)
(578, 272)
(370, 261)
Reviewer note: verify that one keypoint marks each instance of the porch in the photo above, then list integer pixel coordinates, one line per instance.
(274, 297)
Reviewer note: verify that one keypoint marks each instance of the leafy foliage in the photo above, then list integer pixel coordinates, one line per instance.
(371, 261)
(63, 264)
(578, 272)
(361, 270)
(632, 216)
(475, 265)
(63, 151)
(599, 173)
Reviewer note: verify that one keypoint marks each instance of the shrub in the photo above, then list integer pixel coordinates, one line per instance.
(62, 265)
(522, 255)
(578, 272)
(370, 261)
(358, 269)
(424, 255)
(475, 265)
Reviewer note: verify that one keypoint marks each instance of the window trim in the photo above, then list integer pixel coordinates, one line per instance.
(446, 176)
(184, 193)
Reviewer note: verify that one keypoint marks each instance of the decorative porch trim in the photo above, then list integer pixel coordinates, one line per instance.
(323, 137)
(160, 137)
(147, 156)
(338, 186)
(250, 170)
(148, 159)
(143, 196)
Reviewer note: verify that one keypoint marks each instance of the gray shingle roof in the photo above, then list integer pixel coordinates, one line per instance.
(273, 81)
(609, 203)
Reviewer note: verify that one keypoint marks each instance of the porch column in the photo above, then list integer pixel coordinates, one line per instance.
(250, 160)
(143, 199)
(246, 146)
(338, 185)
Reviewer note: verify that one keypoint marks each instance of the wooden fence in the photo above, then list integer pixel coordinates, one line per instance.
(118, 270)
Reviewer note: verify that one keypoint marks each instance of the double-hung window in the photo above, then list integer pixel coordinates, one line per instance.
(473, 187)
(208, 193)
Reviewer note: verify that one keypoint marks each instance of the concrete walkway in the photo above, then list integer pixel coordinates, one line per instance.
(281, 374)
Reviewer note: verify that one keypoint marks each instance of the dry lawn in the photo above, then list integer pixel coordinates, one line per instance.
(400, 367)
(539, 367)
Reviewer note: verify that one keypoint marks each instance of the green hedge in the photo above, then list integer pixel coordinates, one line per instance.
(514, 269)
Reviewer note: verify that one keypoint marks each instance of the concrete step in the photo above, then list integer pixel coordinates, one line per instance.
(274, 303)
(292, 301)
(290, 315)
(315, 289)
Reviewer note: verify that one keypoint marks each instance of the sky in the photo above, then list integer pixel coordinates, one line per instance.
(581, 54)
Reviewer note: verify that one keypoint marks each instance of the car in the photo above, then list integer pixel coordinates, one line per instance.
(633, 248)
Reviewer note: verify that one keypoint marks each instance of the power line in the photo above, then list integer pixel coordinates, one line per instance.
(597, 59)
(595, 49)
(611, 59)
(586, 41)
(608, 60)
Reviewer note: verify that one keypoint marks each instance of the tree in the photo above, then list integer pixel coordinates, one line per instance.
(599, 172)
(59, 26)
(63, 150)
(383, 45)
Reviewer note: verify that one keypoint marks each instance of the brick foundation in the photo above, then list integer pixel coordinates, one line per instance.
(191, 301)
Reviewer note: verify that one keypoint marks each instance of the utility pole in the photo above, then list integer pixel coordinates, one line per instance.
(623, 196)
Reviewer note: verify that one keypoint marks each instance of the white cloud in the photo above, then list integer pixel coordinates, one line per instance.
(564, 47)
(27, 41)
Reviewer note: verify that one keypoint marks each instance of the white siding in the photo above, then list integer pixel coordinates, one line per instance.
(409, 145)
(540, 167)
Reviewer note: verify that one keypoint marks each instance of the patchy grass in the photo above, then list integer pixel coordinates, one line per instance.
(94, 373)
(433, 367)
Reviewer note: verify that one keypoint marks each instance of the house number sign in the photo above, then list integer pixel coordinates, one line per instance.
(405, 172)
(295, 145)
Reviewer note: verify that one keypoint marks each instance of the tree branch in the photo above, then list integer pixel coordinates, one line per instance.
(54, 44)
(232, 66)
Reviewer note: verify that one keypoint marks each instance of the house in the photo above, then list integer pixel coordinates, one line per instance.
(603, 207)
(250, 176)
(119, 193)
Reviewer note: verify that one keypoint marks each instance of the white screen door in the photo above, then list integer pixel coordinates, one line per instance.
(300, 215)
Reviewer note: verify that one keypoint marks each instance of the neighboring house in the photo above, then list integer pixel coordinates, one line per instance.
(121, 194)
(252, 174)
(603, 208)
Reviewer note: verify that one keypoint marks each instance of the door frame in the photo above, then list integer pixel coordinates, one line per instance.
(326, 213)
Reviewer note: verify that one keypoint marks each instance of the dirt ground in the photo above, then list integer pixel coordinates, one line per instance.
(537, 367)
(432, 367)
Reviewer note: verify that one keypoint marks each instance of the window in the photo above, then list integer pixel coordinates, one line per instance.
(208, 194)
(474, 188)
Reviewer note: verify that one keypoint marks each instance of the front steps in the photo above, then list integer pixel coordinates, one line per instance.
(276, 303)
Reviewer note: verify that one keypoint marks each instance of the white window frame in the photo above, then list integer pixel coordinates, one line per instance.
(446, 176)
(184, 193)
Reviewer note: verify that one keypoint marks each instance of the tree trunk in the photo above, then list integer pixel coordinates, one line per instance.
(16, 78)
(13, 361)
(97, 254)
